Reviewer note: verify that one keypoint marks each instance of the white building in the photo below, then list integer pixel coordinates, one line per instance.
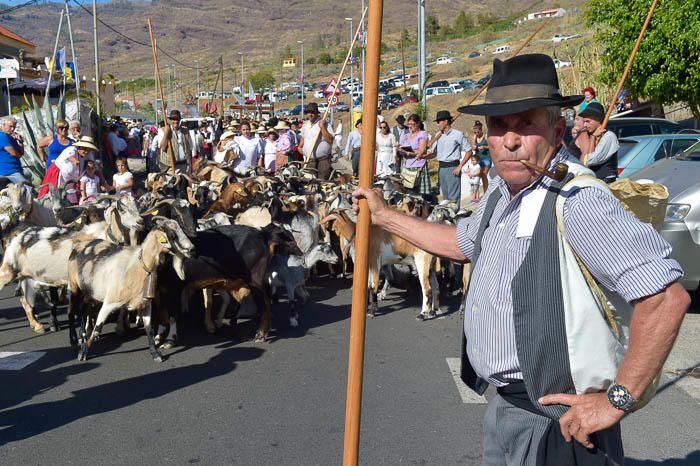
(552, 13)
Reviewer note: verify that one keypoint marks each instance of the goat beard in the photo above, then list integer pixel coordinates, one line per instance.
(179, 266)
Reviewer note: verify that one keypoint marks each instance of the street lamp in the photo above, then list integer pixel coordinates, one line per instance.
(352, 81)
(301, 42)
(242, 80)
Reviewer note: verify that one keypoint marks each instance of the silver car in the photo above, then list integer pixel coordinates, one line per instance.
(681, 227)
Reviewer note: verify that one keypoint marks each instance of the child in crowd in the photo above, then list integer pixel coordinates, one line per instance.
(91, 184)
(473, 170)
(123, 181)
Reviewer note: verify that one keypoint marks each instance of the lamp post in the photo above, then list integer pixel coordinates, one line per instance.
(352, 81)
(242, 79)
(301, 42)
(196, 62)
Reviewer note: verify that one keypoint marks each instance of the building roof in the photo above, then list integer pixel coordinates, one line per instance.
(14, 36)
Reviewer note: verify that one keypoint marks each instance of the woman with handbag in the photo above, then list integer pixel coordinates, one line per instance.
(413, 147)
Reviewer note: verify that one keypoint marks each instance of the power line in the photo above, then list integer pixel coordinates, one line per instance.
(17, 7)
(144, 44)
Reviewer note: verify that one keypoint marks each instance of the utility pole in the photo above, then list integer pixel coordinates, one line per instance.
(198, 87)
(97, 63)
(221, 71)
(302, 75)
(76, 77)
(242, 79)
(53, 57)
(421, 51)
(352, 81)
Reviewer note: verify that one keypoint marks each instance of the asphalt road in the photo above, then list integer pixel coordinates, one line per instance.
(214, 401)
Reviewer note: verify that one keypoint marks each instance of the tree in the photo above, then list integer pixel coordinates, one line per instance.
(462, 23)
(432, 26)
(325, 59)
(666, 68)
(262, 79)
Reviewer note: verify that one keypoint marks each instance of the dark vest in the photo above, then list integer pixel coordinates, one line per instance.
(538, 310)
(607, 171)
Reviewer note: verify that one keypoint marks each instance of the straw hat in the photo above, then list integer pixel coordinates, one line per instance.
(86, 142)
(261, 130)
(282, 125)
(226, 135)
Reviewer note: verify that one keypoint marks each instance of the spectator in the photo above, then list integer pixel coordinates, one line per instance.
(54, 144)
(316, 140)
(386, 150)
(66, 170)
(352, 147)
(116, 142)
(473, 172)
(74, 131)
(600, 155)
(400, 129)
(250, 150)
(284, 144)
(588, 97)
(413, 148)
(480, 147)
(450, 149)
(91, 184)
(11, 151)
(270, 148)
(123, 180)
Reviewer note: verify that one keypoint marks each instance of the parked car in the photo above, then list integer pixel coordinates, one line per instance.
(474, 55)
(483, 80)
(433, 91)
(561, 63)
(295, 111)
(640, 126)
(556, 38)
(441, 83)
(319, 94)
(502, 49)
(444, 60)
(681, 227)
(637, 152)
(390, 101)
(409, 99)
(342, 107)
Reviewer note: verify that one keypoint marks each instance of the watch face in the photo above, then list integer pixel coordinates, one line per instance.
(619, 396)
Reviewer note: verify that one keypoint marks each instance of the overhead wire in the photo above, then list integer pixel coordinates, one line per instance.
(144, 44)
(17, 7)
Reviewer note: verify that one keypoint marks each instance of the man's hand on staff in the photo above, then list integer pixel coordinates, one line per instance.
(588, 414)
(375, 202)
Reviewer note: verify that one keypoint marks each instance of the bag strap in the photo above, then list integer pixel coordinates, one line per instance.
(583, 182)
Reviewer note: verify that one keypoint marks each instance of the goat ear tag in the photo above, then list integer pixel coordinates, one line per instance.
(155, 212)
(79, 220)
(163, 240)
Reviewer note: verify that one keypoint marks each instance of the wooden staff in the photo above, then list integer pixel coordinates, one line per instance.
(629, 65)
(486, 84)
(340, 76)
(353, 404)
(162, 98)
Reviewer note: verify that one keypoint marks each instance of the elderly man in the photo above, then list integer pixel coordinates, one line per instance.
(600, 152)
(11, 151)
(74, 131)
(525, 331)
(450, 149)
(316, 140)
(177, 140)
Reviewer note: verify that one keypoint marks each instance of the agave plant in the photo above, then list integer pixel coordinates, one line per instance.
(39, 123)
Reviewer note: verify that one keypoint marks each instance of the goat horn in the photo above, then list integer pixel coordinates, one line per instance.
(327, 219)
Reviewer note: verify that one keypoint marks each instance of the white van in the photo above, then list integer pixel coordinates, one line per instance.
(502, 49)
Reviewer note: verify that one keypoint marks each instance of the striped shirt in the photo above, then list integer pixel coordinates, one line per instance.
(624, 255)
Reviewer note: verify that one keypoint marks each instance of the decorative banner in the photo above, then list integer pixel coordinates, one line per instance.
(69, 71)
(60, 59)
(9, 68)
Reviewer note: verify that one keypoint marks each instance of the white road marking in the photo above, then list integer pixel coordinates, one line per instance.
(18, 360)
(467, 394)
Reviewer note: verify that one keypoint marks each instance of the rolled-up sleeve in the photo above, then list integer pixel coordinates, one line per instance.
(623, 254)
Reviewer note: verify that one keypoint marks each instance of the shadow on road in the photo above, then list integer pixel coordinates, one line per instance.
(27, 421)
(692, 459)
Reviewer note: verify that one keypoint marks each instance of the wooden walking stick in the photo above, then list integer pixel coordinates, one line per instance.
(162, 98)
(629, 65)
(340, 76)
(353, 404)
(486, 84)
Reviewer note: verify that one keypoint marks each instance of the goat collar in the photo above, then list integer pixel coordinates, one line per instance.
(143, 264)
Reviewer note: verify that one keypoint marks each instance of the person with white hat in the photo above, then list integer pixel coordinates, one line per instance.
(285, 144)
(66, 170)
(227, 148)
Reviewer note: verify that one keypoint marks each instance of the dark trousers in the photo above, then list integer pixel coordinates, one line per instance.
(355, 159)
(323, 166)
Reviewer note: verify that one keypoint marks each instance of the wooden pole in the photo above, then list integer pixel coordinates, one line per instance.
(353, 404)
(162, 97)
(629, 65)
(486, 84)
(340, 76)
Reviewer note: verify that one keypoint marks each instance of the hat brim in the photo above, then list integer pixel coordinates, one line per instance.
(509, 108)
(85, 145)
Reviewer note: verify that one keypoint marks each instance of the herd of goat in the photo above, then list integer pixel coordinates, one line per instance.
(211, 233)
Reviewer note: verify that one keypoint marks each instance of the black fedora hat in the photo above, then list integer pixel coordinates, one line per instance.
(174, 115)
(311, 108)
(443, 115)
(522, 83)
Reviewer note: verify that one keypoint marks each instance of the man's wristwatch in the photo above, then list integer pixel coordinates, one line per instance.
(621, 398)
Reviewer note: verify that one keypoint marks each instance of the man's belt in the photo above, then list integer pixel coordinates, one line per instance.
(450, 164)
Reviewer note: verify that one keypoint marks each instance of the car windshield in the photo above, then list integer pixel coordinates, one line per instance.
(692, 153)
(625, 147)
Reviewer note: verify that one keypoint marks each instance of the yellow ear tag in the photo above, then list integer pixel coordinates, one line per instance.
(155, 212)
(163, 240)
(79, 220)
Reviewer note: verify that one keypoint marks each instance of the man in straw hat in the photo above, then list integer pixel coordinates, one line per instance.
(177, 140)
(533, 326)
